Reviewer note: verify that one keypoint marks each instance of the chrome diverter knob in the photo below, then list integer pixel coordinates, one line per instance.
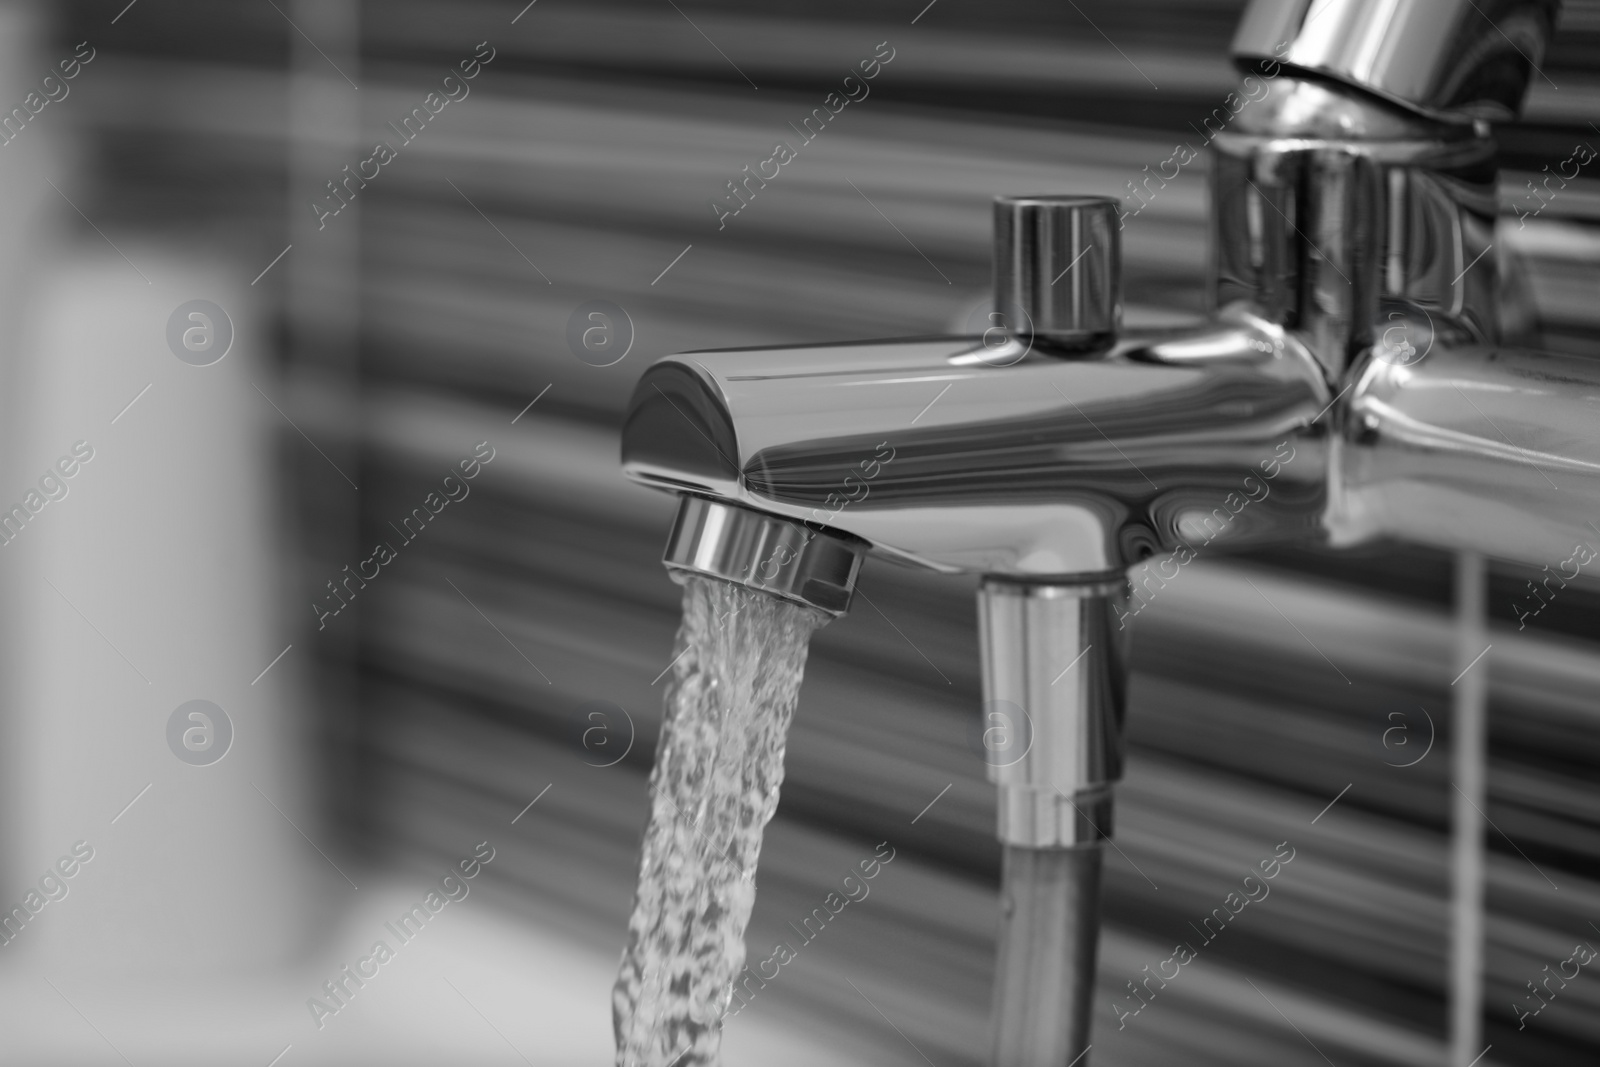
(1058, 271)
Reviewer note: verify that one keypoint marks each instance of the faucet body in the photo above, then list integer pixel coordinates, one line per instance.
(944, 452)
(1347, 387)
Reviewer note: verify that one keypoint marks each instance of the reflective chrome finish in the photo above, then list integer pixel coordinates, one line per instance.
(1458, 59)
(1045, 468)
(766, 553)
(1347, 388)
(1054, 678)
(1058, 271)
(1474, 447)
(1330, 210)
(1045, 971)
(1054, 685)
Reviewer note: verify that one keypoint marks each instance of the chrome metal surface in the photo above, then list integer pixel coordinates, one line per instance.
(1057, 271)
(1043, 818)
(1331, 210)
(1460, 59)
(764, 553)
(1054, 674)
(1048, 940)
(1347, 388)
(1054, 659)
(1473, 447)
(1048, 467)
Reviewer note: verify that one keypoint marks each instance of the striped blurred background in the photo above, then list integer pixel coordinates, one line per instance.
(430, 313)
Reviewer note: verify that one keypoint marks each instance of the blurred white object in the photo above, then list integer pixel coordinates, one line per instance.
(151, 581)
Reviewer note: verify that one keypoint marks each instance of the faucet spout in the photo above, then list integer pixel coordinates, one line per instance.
(1045, 467)
(765, 553)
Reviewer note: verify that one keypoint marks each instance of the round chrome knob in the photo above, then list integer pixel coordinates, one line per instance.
(1058, 270)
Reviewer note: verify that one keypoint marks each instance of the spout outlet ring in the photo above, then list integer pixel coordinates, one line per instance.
(764, 552)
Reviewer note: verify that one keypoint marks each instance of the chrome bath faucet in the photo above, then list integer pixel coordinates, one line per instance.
(1349, 385)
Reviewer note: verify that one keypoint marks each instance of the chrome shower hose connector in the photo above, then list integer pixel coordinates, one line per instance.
(1054, 678)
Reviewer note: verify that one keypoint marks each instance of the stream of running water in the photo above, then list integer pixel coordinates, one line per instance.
(719, 763)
